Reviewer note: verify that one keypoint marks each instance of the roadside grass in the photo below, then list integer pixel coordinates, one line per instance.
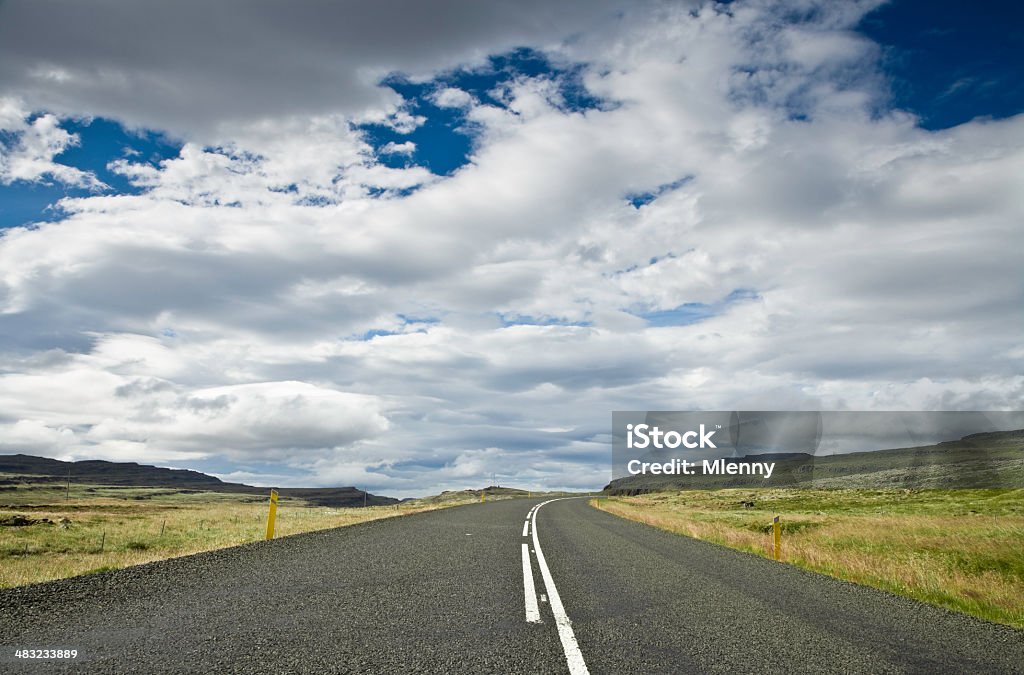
(107, 527)
(959, 549)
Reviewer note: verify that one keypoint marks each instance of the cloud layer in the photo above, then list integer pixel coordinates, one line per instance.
(278, 300)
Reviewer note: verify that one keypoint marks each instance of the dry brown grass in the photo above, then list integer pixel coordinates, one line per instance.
(961, 557)
(111, 532)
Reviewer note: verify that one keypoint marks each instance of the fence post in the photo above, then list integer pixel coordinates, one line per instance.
(777, 533)
(273, 514)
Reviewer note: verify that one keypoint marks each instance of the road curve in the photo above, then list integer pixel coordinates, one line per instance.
(445, 592)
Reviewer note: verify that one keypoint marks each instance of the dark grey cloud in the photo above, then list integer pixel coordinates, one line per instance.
(191, 66)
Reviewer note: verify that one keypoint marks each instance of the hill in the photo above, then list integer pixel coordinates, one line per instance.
(19, 469)
(491, 492)
(987, 460)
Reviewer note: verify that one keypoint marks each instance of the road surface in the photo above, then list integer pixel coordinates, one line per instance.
(451, 591)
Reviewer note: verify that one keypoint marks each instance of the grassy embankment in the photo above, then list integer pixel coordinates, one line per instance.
(113, 527)
(959, 549)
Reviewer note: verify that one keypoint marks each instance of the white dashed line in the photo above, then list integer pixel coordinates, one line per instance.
(532, 611)
(526, 528)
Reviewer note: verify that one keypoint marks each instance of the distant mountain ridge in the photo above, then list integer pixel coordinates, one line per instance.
(132, 474)
(983, 460)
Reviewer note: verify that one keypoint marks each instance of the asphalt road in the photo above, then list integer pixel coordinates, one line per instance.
(445, 592)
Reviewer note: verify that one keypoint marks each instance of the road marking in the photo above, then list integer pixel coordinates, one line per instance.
(573, 655)
(532, 611)
(526, 528)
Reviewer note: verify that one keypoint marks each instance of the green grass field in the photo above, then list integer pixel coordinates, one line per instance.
(960, 549)
(97, 528)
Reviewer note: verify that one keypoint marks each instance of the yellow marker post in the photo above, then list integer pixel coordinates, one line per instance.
(777, 532)
(273, 514)
(482, 495)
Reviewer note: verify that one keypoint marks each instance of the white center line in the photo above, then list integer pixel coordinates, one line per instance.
(573, 655)
(532, 611)
(526, 528)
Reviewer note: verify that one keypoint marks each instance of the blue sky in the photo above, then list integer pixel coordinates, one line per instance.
(949, 62)
(409, 259)
(444, 141)
(99, 142)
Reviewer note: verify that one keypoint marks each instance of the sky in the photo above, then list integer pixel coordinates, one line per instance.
(418, 246)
